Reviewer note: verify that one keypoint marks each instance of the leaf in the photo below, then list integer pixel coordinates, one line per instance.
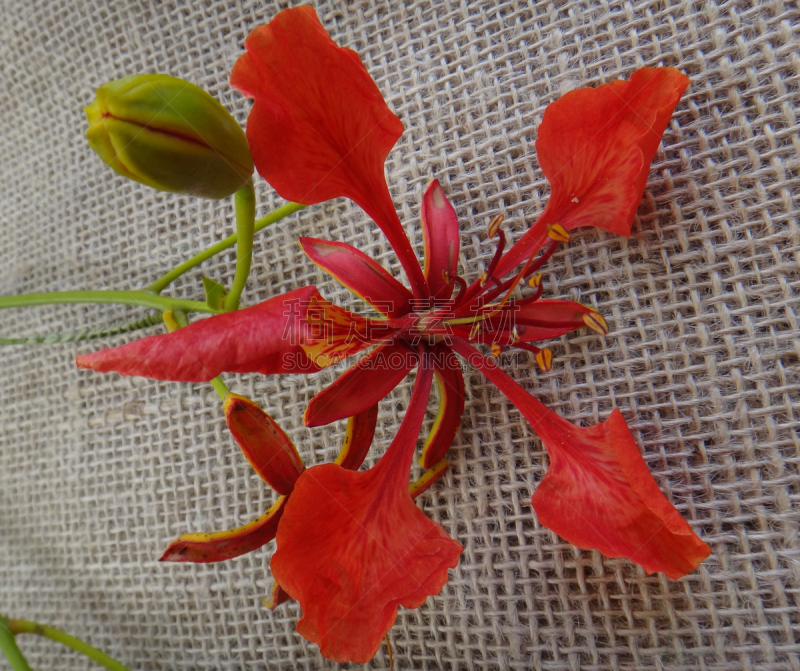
(215, 293)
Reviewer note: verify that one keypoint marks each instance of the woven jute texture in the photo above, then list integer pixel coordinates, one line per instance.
(99, 473)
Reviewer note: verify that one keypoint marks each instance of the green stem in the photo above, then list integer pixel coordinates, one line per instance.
(163, 282)
(25, 627)
(245, 200)
(10, 649)
(220, 387)
(138, 297)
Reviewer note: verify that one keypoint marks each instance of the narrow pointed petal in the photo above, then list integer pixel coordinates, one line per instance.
(269, 450)
(598, 493)
(424, 482)
(352, 546)
(319, 128)
(359, 273)
(595, 146)
(265, 338)
(442, 239)
(332, 333)
(362, 385)
(450, 382)
(358, 439)
(218, 546)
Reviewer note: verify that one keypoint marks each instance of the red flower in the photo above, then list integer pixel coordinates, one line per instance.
(319, 128)
(336, 558)
(352, 546)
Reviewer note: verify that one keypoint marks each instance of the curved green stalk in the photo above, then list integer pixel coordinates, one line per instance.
(245, 200)
(26, 627)
(142, 298)
(10, 649)
(163, 282)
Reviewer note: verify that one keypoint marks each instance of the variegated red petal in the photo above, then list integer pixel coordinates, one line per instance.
(359, 273)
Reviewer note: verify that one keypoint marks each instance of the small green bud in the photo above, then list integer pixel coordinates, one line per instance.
(169, 134)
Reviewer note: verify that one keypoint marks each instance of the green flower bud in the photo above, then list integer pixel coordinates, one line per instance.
(169, 134)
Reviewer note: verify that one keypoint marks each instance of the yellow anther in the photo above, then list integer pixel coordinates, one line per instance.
(544, 358)
(494, 225)
(515, 335)
(446, 277)
(496, 349)
(596, 322)
(535, 281)
(483, 278)
(557, 232)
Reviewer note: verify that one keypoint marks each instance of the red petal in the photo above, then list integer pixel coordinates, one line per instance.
(319, 128)
(264, 338)
(451, 406)
(332, 333)
(595, 147)
(362, 385)
(442, 239)
(221, 545)
(277, 596)
(268, 449)
(598, 493)
(359, 273)
(358, 439)
(352, 547)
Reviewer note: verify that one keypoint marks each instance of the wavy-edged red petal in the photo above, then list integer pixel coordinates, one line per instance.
(352, 546)
(595, 146)
(265, 338)
(442, 239)
(450, 383)
(319, 128)
(269, 450)
(358, 439)
(598, 493)
(359, 273)
(206, 548)
(362, 385)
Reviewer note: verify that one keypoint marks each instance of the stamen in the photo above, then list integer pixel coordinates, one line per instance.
(535, 281)
(557, 232)
(496, 350)
(483, 279)
(514, 335)
(476, 328)
(501, 245)
(544, 359)
(446, 277)
(596, 322)
(462, 289)
(532, 298)
(494, 225)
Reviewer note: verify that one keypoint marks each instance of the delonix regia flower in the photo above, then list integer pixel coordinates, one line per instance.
(169, 134)
(595, 147)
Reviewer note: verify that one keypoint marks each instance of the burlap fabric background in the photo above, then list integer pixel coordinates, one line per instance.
(98, 473)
